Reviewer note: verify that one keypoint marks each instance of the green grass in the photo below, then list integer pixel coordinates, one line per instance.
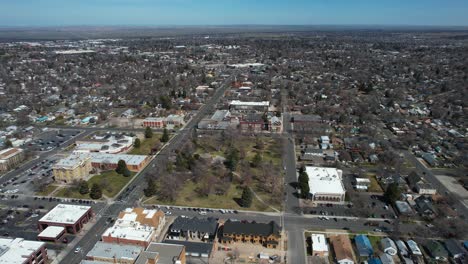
(187, 197)
(48, 190)
(374, 185)
(111, 183)
(71, 192)
(271, 156)
(375, 242)
(146, 145)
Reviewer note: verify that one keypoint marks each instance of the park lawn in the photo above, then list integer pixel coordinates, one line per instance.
(111, 183)
(71, 192)
(187, 196)
(146, 145)
(48, 190)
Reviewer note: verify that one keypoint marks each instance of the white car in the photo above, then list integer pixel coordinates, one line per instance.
(168, 213)
(202, 213)
(78, 250)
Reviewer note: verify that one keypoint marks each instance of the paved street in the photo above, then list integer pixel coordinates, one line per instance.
(138, 184)
(292, 219)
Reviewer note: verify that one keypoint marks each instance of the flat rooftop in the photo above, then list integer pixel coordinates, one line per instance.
(70, 162)
(117, 251)
(324, 180)
(129, 229)
(242, 103)
(319, 242)
(52, 232)
(105, 158)
(65, 214)
(17, 250)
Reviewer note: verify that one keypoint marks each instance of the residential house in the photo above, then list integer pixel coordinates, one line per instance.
(265, 234)
(388, 246)
(363, 246)
(374, 261)
(403, 208)
(386, 259)
(402, 248)
(343, 249)
(454, 248)
(414, 248)
(424, 206)
(184, 228)
(417, 183)
(436, 250)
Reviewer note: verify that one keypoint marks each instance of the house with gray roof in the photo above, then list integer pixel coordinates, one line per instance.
(185, 228)
(454, 248)
(388, 246)
(194, 249)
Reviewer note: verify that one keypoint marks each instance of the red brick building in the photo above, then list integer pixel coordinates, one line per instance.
(71, 217)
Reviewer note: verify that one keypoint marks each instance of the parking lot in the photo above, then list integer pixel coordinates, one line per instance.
(374, 207)
(27, 182)
(22, 213)
(51, 139)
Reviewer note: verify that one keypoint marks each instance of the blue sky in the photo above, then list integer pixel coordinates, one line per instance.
(232, 12)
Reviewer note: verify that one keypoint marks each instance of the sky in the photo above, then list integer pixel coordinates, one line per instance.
(232, 12)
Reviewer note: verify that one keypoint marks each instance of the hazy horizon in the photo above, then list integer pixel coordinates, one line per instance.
(164, 13)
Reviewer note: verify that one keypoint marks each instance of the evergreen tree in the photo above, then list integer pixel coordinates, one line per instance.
(83, 187)
(126, 173)
(392, 193)
(137, 143)
(151, 188)
(96, 191)
(121, 167)
(148, 132)
(304, 184)
(232, 159)
(165, 136)
(257, 159)
(166, 102)
(246, 199)
(8, 143)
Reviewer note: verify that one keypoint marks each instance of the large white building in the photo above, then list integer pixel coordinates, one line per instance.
(18, 250)
(319, 245)
(326, 184)
(107, 143)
